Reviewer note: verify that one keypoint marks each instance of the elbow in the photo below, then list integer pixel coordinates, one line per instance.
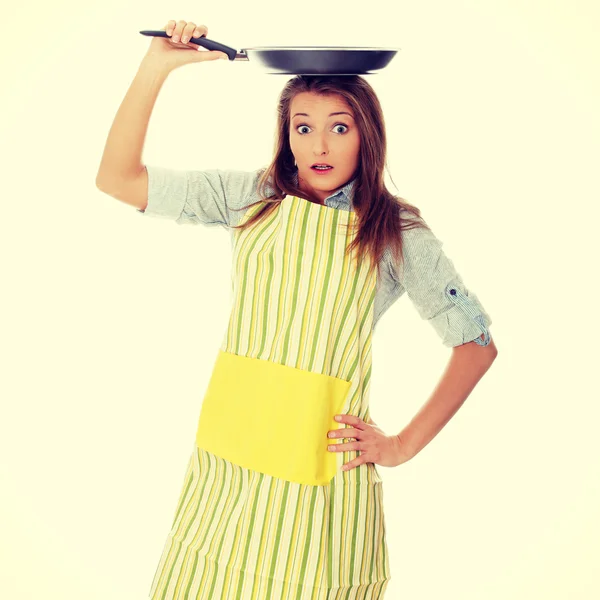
(490, 347)
(101, 183)
(486, 353)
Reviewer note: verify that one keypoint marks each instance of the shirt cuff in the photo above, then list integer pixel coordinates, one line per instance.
(464, 322)
(456, 328)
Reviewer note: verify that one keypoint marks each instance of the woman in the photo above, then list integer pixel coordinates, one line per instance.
(268, 509)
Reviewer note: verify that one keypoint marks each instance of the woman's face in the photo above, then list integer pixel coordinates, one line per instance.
(318, 136)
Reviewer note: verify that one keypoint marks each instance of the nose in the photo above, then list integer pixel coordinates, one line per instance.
(320, 145)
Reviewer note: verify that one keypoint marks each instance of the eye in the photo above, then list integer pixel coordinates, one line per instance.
(336, 125)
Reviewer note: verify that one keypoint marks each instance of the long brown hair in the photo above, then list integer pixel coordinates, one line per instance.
(378, 210)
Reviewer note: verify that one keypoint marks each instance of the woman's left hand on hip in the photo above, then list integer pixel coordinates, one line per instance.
(374, 445)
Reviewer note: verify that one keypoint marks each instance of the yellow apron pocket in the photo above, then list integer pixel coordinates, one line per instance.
(271, 418)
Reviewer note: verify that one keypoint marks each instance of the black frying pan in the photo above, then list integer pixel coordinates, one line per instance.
(302, 60)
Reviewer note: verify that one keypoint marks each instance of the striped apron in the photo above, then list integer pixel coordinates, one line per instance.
(265, 512)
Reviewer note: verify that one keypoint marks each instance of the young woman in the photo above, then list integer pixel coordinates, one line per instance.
(271, 508)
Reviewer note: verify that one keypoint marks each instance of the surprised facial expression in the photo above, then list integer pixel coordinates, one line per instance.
(323, 130)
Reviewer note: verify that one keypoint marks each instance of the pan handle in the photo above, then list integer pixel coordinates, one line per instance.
(200, 41)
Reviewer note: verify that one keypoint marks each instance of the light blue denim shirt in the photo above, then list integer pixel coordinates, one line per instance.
(428, 276)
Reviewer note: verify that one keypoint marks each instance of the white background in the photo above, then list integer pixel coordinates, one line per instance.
(111, 320)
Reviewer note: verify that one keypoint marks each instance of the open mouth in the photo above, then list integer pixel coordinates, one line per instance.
(321, 170)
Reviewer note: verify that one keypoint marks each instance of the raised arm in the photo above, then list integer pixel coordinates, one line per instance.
(121, 173)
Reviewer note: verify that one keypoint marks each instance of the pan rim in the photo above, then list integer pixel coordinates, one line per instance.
(327, 48)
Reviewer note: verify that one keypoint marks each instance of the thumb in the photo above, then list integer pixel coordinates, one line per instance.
(211, 55)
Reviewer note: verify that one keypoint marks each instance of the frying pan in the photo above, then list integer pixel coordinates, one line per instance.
(302, 60)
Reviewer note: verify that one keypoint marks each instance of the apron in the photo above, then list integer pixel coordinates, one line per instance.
(265, 512)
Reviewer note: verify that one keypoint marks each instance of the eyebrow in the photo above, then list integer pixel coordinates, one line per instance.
(331, 115)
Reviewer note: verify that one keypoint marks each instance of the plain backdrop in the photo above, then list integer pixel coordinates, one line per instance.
(110, 320)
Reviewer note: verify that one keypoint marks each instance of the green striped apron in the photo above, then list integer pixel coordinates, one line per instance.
(265, 512)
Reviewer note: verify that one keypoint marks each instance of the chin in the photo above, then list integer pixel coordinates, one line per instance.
(320, 179)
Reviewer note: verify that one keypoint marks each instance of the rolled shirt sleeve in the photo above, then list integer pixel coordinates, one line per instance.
(208, 197)
(438, 292)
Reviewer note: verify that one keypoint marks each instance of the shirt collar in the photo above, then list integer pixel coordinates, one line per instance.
(341, 199)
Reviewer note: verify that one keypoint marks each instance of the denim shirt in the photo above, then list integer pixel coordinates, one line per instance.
(428, 276)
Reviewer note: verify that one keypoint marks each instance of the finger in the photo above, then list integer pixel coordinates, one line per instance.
(187, 32)
(345, 447)
(205, 54)
(201, 30)
(353, 463)
(354, 421)
(345, 432)
(170, 26)
(177, 31)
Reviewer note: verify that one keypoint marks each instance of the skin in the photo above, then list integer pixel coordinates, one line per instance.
(468, 364)
(335, 140)
(375, 446)
(318, 137)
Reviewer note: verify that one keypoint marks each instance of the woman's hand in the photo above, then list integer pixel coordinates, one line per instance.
(374, 445)
(177, 50)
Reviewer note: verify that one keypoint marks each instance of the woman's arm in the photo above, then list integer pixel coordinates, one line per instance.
(122, 159)
(468, 364)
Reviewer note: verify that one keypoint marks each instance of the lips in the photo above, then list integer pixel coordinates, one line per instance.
(321, 172)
